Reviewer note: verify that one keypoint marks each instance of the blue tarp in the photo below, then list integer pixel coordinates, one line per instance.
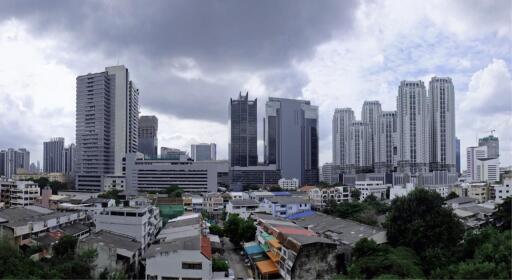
(253, 249)
(301, 215)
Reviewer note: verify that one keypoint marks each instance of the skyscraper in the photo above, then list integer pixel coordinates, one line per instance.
(107, 114)
(441, 101)
(291, 138)
(243, 146)
(388, 139)
(69, 159)
(413, 127)
(360, 144)
(493, 145)
(371, 115)
(12, 160)
(203, 151)
(457, 155)
(341, 122)
(53, 155)
(148, 136)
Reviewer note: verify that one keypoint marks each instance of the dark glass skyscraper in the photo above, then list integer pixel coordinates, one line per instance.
(243, 146)
(148, 140)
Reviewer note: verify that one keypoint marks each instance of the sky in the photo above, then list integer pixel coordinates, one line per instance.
(189, 57)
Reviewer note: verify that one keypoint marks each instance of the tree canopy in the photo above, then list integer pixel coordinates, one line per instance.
(238, 229)
(503, 215)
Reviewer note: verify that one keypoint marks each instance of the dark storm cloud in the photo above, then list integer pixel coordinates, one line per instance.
(221, 37)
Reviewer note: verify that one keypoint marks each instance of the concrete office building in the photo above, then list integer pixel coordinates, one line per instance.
(341, 122)
(388, 140)
(487, 170)
(148, 136)
(243, 146)
(145, 175)
(371, 114)
(441, 102)
(53, 155)
(493, 145)
(331, 173)
(107, 115)
(291, 138)
(413, 127)
(360, 145)
(203, 151)
(473, 154)
(457, 155)
(69, 159)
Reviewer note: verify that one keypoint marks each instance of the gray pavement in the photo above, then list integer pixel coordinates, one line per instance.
(236, 262)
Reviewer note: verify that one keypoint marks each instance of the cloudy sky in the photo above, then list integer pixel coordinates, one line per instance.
(189, 57)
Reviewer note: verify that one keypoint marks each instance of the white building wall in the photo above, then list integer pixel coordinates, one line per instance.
(169, 264)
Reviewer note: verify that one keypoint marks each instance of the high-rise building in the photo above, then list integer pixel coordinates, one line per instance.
(413, 127)
(441, 102)
(360, 145)
(371, 115)
(148, 136)
(388, 139)
(457, 155)
(291, 138)
(12, 160)
(53, 155)
(341, 122)
(107, 115)
(473, 154)
(493, 145)
(243, 145)
(69, 159)
(203, 151)
(173, 154)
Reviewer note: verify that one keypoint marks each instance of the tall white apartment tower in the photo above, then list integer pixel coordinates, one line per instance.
(371, 115)
(413, 127)
(341, 122)
(442, 127)
(360, 148)
(473, 154)
(388, 140)
(107, 115)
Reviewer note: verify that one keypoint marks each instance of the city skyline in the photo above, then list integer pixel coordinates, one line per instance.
(335, 70)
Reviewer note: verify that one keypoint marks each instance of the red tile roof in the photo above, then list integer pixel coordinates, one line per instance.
(206, 247)
(293, 230)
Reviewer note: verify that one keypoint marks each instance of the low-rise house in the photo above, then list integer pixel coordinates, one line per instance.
(20, 225)
(213, 204)
(460, 202)
(116, 252)
(375, 188)
(474, 216)
(242, 207)
(479, 191)
(141, 223)
(182, 251)
(193, 203)
(259, 196)
(501, 192)
(442, 190)
(284, 206)
(289, 184)
(319, 198)
(238, 195)
(19, 193)
(400, 190)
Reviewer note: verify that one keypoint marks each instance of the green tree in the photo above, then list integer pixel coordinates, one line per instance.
(173, 191)
(217, 230)
(419, 221)
(383, 262)
(503, 215)
(65, 247)
(238, 229)
(355, 194)
(451, 195)
(219, 265)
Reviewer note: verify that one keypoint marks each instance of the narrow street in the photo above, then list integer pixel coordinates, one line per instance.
(236, 261)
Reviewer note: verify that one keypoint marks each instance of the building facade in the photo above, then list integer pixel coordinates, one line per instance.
(53, 155)
(473, 154)
(203, 151)
(441, 100)
(148, 136)
(413, 127)
(341, 122)
(371, 114)
(493, 145)
(360, 145)
(11, 161)
(243, 146)
(69, 159)
(388, 140)
(107, 115)
(291, 138)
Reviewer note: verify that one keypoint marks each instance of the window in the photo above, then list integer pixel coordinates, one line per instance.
(191, 265)
(170, 278)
